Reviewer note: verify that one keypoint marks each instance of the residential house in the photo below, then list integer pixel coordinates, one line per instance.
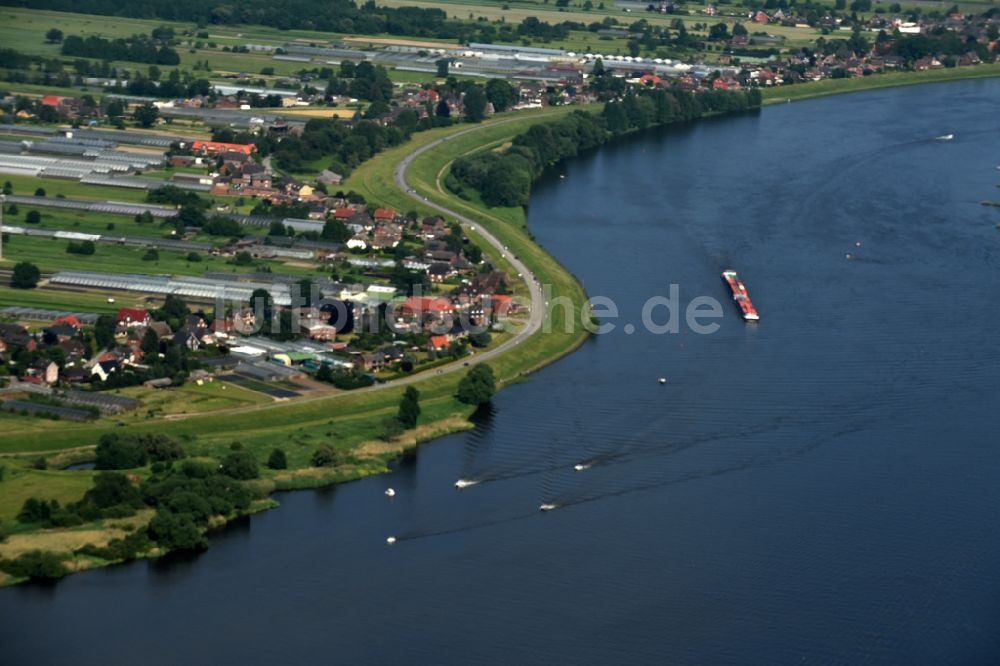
(188, 338)
(433, 228)
(219, 147)
(132, 317)
(45, 370)
(14, 335)
(103, 369)
(438, 343)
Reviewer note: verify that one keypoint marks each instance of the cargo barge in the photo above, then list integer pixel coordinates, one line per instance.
(740, 295)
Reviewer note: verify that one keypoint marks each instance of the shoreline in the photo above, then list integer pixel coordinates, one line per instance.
(829, 87)
(434, 194)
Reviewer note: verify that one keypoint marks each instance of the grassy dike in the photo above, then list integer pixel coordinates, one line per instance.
(783, 94)
(346, 421)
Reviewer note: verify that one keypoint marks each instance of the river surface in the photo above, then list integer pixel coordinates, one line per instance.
(823, 487)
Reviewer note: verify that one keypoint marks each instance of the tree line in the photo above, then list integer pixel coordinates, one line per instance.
(505, 178)
(340, 16)
(138, 48)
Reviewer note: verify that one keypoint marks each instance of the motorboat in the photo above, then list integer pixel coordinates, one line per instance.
(581, 467)
(548, 507)
(389, 492)
(465, 483)
(391, 540)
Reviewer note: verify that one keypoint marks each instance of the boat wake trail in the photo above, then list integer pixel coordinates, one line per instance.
(415, 535)
(765, 459)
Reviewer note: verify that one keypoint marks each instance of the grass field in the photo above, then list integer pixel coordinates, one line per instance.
(72, 189)
(50, 255)
(69, 301)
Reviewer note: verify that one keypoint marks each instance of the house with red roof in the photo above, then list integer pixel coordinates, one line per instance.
(68, 320)
(502, 304)
(133, 317)
(218, 147)
(427, 304)
(384, 214)
(343, 213)
(51, 100)
(438, 343)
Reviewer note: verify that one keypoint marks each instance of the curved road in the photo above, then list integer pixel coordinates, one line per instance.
(537, 307)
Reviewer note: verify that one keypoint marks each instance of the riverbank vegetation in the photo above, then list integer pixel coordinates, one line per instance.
(504, 178)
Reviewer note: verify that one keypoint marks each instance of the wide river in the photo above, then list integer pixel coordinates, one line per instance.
(822, 487)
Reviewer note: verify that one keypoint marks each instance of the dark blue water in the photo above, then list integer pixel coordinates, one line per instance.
(819, 488)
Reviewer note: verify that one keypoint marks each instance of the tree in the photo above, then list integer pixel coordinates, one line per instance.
(36, 511)
(718, 32)
(26, 276)
(32, 217)
(174, 311)
(475, 104)
(501, 94)
(152, 254)
(240, 465)
(176, 531)
(277, 460)
(443, 110)
(409, 408)
(478, 386)
(277, 229)
(40, 192)
(335, 231)
(306, 292)
(146, 115)
(325, 373)
(323, 456)
(113, 489)
(442, 67)
(739, 30)
(104, 331)
(53, 35)
(391, 428)
(38, 564)
(481, 339)
(115, 108)
(150, 344)
(8, 188)
(116, 452)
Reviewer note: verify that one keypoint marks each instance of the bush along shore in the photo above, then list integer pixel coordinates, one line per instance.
(505, 178)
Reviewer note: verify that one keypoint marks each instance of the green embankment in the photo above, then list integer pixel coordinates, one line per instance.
(826, 87)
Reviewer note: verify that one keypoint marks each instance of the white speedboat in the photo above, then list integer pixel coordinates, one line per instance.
(465, 483)
(548, 507)
(945, 137)
(389, 492)
(391, 540)
(581, 467)
(662, 380)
